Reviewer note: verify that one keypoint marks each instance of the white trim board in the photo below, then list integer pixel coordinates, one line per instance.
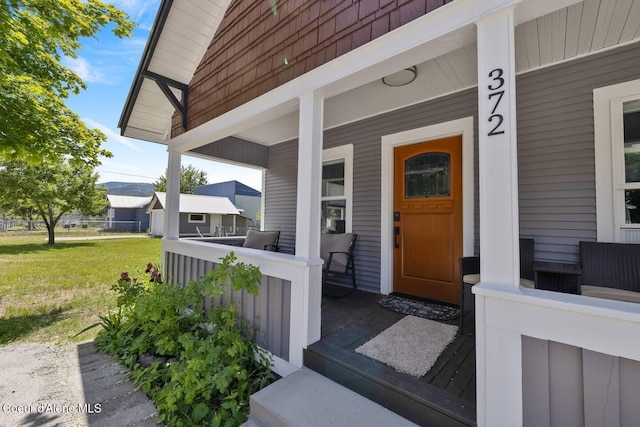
(462, 127)
(344, 152)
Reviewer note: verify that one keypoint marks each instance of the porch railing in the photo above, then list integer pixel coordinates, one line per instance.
(549, 358)
(285, 310)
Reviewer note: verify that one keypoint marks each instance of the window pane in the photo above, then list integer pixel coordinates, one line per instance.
(632, 206)
(427, 175)
(631, 110)
(334, 213)
(333, 178)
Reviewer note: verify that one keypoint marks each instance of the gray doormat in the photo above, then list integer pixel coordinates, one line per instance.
(411, 345)
(426, 310)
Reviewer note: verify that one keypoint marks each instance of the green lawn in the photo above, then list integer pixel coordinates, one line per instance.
(48, 293)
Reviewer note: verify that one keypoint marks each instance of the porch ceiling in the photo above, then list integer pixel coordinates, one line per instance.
(446, 64)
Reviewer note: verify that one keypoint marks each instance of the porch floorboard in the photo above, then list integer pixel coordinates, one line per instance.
(444, 396)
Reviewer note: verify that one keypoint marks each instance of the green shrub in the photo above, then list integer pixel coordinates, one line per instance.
(205, 363)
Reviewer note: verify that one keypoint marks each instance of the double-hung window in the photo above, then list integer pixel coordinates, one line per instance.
(630, 182)
(617, 145)
(337, 189)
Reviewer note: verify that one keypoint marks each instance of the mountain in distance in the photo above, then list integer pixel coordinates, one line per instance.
(141, 189)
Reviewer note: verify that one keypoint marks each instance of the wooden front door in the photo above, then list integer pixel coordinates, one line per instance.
(428, 219)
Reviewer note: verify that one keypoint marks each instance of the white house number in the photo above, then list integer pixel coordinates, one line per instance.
(498, 82)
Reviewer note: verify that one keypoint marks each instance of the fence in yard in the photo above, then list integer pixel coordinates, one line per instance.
(6, 224)
(73, 224)
(105, 225)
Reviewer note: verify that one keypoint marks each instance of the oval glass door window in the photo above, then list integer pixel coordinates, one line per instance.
(427, 175)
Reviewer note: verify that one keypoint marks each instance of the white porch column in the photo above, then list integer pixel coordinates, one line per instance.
(498, 351)
(172, 208)
(308, 210)
(309, 176)
(498, 157)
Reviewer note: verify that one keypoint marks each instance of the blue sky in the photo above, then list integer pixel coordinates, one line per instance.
(107, 66)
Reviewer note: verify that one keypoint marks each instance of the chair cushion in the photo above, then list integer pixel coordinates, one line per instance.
(471, 279)
(610, 293)
(335, 243)
(526, 283)
(260, 239)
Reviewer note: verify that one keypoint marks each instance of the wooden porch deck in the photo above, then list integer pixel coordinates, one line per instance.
(443, 397)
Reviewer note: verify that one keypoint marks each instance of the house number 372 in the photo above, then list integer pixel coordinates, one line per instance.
(495, 95)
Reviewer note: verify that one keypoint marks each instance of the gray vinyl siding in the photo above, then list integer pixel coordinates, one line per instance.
(556, 158)
(237, 150)
(269, 311)
(280, 193)
(565, 385)
(189, 228)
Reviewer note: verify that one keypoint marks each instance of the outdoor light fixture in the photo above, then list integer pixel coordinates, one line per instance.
(402, 77)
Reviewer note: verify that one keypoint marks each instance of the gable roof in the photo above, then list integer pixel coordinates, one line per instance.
(192, 203)
(178, 40)
(127, 202)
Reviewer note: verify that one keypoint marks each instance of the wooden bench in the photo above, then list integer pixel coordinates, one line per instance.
(610, 270)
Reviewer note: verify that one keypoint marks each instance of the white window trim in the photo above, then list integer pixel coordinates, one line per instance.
(608, 127)
(192, 221)
(462, 127)
(337, 153)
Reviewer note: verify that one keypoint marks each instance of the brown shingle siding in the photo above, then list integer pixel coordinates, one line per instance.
(347, 17)
(380, 26)
(361, 36)
(367, 7)
(261, 45)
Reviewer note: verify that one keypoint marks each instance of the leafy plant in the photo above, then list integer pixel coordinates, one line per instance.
(206, 364)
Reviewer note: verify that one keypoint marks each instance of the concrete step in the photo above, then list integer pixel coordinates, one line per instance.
(307, 398)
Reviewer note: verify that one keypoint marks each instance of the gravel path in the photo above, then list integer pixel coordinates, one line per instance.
(71, 385)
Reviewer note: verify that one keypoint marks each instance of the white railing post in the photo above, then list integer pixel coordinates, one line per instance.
(172, 208)
(498, 351)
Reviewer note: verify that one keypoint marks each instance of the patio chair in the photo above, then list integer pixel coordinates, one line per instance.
(337, 252)
(265, 240)
(610, 271)
(470, 273)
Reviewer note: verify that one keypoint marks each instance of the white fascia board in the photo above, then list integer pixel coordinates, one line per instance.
(349, 70)
(144, 135)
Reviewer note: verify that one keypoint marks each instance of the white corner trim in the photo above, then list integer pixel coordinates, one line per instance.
(607, 115)
(262, 199)
(281, 366)
(463, 127)
(344, 152)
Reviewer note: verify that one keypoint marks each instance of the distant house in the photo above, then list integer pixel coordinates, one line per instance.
(128, 213)
(242, 196)
(199, 215)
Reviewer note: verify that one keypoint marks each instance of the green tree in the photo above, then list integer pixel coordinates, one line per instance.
(35, 123)
(190, 178)
(51, 188)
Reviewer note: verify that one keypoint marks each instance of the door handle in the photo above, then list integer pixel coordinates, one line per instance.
(396, 232)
